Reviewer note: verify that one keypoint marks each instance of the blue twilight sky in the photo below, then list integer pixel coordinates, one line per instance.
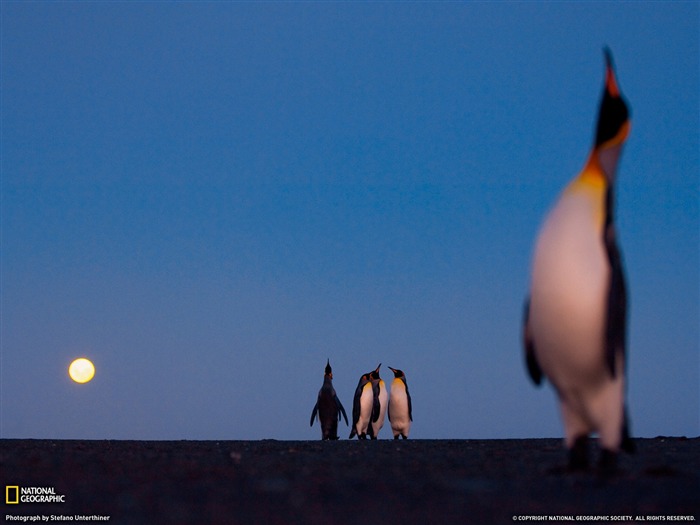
(210, 199)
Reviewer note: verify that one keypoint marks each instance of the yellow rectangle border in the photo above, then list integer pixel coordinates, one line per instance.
(7, 494)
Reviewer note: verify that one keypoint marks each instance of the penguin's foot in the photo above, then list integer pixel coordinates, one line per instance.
(396, 436)
(404, 436)
(578, 454)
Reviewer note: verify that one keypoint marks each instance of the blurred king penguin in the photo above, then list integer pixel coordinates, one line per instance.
(400, 410)
(379, 403)
(575, 318)
(362, 407)
(328, 407)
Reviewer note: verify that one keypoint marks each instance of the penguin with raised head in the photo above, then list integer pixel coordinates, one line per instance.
(328, 407)
(400, 410)
(362, 405)
(574, 329)
(379, 403)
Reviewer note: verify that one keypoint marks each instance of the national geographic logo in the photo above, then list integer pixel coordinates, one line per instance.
(14, 494)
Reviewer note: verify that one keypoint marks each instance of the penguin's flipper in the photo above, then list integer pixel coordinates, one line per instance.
(616, 319)
(627, 444)
(410, 406)
(408, 396)
(533, 367)
(341, 410)
(375, 402)
(313, 414)
(356, 409)
(356, 405)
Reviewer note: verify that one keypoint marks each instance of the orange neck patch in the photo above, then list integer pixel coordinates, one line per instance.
(592, 174)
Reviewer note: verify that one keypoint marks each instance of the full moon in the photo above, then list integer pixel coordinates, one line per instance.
(81, 370)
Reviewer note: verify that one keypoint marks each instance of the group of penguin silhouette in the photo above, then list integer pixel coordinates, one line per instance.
(370, 406)
(575, 318)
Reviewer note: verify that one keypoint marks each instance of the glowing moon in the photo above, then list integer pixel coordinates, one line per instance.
(81, 370)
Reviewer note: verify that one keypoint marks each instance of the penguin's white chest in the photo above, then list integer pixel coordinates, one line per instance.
(570, 282)
(366, 401)
(398, 407)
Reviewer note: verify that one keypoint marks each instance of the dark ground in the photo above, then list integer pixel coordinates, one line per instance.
(413, 481)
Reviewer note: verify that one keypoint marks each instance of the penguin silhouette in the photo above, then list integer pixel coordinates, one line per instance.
(328, 407)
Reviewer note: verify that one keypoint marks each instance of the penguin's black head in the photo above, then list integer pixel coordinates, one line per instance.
(329, 370)
(397, 373)
(614, 114)
(374, 375)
